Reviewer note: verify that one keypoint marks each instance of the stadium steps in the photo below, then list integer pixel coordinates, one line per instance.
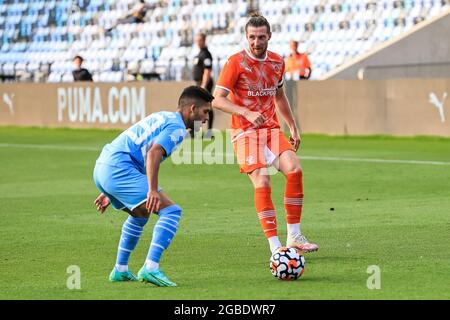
(355, 68)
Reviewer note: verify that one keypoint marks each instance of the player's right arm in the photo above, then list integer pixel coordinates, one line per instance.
(226, 83)
(224, 104)
(101, 202)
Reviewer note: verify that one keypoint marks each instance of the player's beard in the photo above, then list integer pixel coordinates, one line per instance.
(193, 124)
(259, 52)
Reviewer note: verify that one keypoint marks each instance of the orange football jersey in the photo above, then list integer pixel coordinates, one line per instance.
(252, 84)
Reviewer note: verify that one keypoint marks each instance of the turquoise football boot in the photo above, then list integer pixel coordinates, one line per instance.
(157, 277)
(116, 276)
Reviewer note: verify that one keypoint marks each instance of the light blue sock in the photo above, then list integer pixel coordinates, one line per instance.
(163, 232)
(131, 232)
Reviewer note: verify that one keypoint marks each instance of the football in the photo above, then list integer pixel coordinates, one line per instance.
(287, 264)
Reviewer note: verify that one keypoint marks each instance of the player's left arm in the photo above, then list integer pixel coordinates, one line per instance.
(308, 68)
(163, 146)
(282, 104)
(89, 76)
(153, 161)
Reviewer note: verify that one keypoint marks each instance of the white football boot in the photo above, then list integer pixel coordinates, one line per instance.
(299, 242)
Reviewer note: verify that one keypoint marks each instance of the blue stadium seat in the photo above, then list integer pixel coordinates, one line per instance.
(34, 33)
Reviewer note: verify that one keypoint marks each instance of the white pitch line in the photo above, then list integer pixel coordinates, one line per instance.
(319, 158)
(48, 146)
(437, 163)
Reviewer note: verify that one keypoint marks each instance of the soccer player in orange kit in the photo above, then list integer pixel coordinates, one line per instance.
(250, 87)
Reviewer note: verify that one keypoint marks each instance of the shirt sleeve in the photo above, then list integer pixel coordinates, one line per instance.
(89, 76)
(307, 62)
(228, 76)
(207, 62)
(170, 137)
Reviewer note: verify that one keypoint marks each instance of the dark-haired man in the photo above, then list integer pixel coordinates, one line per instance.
(126, 173)
(253, 78)
(79, 73)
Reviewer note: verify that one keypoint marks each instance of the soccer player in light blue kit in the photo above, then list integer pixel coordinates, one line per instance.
(126, 173)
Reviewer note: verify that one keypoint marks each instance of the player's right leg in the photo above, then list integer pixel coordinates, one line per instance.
(132, 230)
(250, 154)
(264, 206)
(122, 187)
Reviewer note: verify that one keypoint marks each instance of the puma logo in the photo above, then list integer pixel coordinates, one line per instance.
(270, 221)
(438, 104)
(8, 100)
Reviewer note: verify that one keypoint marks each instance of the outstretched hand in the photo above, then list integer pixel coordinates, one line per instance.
(102, 203)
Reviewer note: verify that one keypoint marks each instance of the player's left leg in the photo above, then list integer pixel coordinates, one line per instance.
(163, 232)
(289, 164)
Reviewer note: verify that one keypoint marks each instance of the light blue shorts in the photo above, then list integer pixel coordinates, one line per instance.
(125, 187)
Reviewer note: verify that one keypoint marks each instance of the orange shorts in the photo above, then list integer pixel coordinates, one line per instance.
(259, 149)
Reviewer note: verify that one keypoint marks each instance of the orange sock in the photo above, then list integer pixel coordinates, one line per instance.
(266, 211)
(293, 197)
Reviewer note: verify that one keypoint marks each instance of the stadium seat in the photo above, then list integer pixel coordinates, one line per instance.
(36, 33)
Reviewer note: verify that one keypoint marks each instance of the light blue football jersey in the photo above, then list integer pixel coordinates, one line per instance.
(130, 147)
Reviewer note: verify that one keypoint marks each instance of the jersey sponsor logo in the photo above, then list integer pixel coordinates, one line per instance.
(259, 91)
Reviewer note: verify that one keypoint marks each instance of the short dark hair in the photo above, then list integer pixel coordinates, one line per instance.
(256, 20)
(78, 57)
(201, 34)
(194, 95)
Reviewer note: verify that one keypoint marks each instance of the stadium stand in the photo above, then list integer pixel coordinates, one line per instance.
(40, 38)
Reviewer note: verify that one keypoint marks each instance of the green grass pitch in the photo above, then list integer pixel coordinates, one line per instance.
(395, 215)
